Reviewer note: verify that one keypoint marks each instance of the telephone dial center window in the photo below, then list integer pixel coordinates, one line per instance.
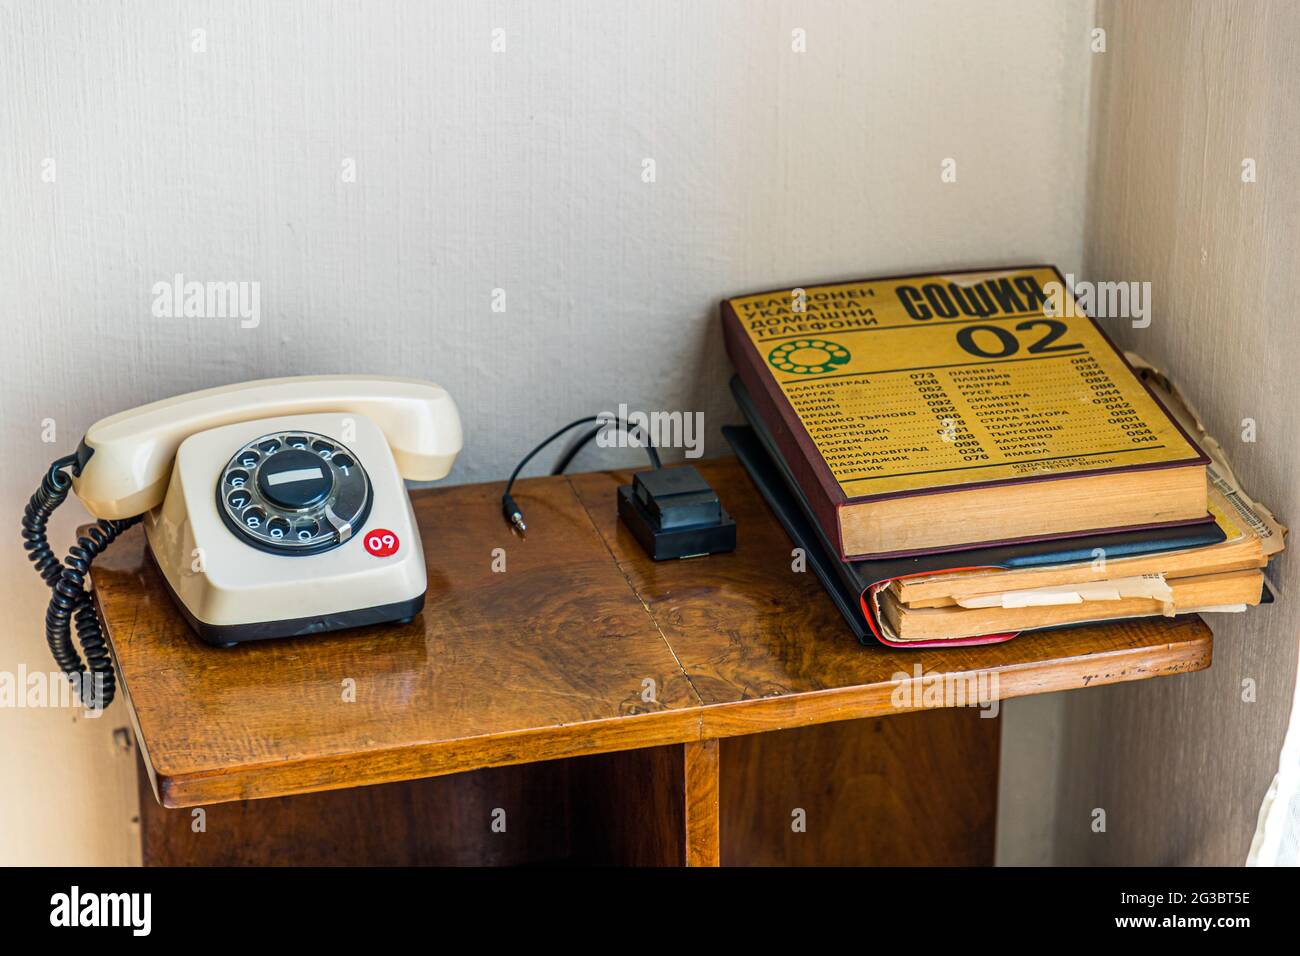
(294, 493)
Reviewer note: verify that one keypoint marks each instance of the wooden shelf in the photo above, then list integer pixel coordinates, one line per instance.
(581, 646)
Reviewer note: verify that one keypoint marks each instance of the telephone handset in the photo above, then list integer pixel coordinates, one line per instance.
(273, 508)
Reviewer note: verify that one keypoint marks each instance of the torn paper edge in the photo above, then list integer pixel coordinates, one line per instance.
(1151, 586)
(1259, 519)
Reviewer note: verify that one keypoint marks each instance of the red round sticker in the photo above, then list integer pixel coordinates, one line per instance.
(381, 542)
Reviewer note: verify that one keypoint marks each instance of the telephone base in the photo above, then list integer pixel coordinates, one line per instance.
(229, 635)
(232, 589)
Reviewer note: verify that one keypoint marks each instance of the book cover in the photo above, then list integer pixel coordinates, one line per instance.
(884, 388)
(849, 583)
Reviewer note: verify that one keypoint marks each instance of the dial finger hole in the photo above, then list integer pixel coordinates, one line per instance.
(237, 478)
(238, 499)
(277, 528)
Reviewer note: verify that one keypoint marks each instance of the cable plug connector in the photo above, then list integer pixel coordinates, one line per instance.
(514, 517)
(512, 513)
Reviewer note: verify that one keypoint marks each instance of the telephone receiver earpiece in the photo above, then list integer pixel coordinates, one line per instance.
(125, 460)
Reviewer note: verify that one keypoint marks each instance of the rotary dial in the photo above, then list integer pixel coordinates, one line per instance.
(294, 493)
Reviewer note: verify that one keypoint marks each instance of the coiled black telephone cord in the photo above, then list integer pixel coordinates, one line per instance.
(70, 603)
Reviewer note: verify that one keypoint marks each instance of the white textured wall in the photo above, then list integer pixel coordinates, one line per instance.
(475, 170)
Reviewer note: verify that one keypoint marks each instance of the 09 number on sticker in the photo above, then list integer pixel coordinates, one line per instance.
(382, 543)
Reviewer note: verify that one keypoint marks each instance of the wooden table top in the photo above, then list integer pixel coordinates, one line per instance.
(582, 645)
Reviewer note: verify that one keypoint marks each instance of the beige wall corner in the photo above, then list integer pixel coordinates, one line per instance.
(1027, 780)
(1194, 188)
(68, 784)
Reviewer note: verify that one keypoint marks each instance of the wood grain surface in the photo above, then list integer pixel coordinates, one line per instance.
(701, 803)
(582, 646)
(762, 638)
(917, 789)
(554, 657)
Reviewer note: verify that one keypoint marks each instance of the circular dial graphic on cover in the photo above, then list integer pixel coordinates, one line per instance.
(294, 493)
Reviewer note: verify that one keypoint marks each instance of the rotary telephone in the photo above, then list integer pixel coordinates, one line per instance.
(273, 508)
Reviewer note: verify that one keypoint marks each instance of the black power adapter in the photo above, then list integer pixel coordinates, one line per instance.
(675, 514)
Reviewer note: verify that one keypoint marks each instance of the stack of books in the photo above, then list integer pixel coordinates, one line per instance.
(963, 457)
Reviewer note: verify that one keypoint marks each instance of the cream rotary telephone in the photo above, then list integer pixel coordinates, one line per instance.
(273, 509)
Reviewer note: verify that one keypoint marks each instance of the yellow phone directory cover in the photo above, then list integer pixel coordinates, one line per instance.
(913, 384)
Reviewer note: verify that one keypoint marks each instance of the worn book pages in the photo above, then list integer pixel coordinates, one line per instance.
(1151, 586)
(1260, 520)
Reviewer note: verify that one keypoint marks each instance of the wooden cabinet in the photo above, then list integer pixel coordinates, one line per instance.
(562, 698)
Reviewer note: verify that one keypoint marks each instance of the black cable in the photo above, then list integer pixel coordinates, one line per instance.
(70, 603)
(567, 458)
(511, 510)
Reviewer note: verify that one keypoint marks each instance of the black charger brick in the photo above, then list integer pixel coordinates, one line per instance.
(675, 514)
